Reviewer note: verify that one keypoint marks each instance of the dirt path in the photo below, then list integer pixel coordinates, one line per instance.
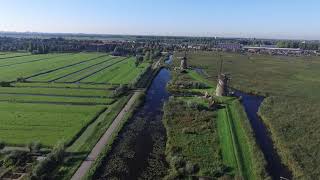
(87, 163)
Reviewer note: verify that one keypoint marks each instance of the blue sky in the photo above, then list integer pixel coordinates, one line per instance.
(297, 19)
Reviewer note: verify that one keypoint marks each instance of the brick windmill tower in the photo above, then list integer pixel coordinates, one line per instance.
(223, 80)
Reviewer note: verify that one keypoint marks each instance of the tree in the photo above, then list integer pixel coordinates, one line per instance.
(139, 59)
(58, 152)
(45, 167)
(156, 54)
(147, 56)
(282, 44)
(16, 158)
(2, 145)
(5, 84)
(21, 79)
(119, 91)
(34, 146)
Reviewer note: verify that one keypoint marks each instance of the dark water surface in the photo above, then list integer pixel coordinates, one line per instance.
(138, 153)
(275, 168)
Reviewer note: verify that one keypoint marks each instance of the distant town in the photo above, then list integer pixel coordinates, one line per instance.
(40, 43)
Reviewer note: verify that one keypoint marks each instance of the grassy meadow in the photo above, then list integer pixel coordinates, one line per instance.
(263, 74)
(46, 123)
(295, 128)
(193, 142)
(290, 109)
(48, 101)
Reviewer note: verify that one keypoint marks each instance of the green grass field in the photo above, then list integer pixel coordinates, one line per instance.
(53, 105)
(91, 71)
(44, 99)
(65, 85)
(122, 73)
(55, 91)
(47, 123)
(8, 55)
(55, 75)
(27, 70)
(23, 59)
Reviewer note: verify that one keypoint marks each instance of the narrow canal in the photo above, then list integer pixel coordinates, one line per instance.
(138, 153)
(275, 168)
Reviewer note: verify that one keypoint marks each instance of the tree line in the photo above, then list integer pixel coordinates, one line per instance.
(297, 44)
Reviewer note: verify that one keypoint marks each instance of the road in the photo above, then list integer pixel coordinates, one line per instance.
(99, 147)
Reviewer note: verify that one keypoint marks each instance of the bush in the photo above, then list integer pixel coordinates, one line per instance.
(190, 168)
(226, 177)
(44, 168)
(177, 162)
(2, 145)
(138, 60)
(5, 84)
(21, 79)
(120, 90)
(58, 152)
(16, 158)
(34, 146)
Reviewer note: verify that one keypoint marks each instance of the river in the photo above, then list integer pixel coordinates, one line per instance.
(138, 153)
(275, 168)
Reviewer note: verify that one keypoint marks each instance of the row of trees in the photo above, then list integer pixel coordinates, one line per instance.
(41, 46)
(140, 46)
(35, 48)
(298, 44)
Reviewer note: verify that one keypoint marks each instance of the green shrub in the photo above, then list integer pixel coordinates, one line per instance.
(120, 90)
(5, 84)
(190, 168)
(34, 146)
(177, 162)
(2, 145)
(16, 158)
(45, 167)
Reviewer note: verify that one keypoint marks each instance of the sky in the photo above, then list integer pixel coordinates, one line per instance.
(289, 19)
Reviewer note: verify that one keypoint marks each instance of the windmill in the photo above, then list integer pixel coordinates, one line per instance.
(223, 80)
(183, 63)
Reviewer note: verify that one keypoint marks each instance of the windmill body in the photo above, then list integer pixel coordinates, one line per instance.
(223, 79)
